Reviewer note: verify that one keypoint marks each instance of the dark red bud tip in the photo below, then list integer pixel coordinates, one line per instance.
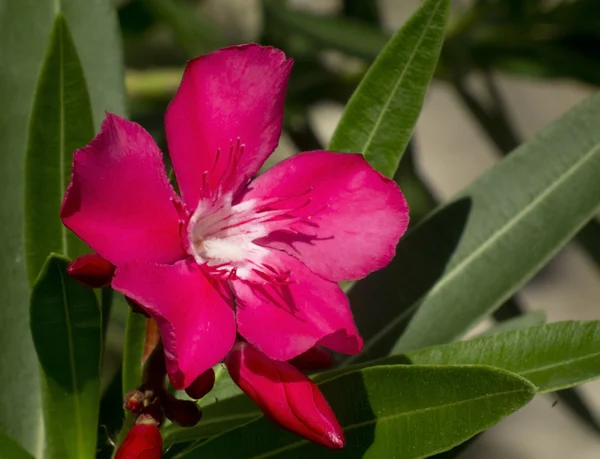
(142, 442)
(202, 385)
(92, 270)
(285, 395)
(183, 412)
(134, 401)
(136, 307)
(315, 359)
(151, 414)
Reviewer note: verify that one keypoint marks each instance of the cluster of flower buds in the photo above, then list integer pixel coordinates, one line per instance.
(151, 402)
(281, 390)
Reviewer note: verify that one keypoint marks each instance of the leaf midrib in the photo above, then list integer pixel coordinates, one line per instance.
(74, 379)
(561, 363)
(463, 265)
(396, 416)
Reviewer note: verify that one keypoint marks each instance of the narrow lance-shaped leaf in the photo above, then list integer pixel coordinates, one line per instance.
(382, 113)
(474, 252)
(61, 122)
(66, 326)
(25, 29)
(399, 411)
(553, 356)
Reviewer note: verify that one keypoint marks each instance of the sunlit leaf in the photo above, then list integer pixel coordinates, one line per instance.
(25, 30)
(61, 122)
(474, 252)
(381, 114)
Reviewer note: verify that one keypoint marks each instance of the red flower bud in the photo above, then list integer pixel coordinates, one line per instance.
(91, 270)
(285, 395)
(134, 401)
(142, 442)
(183, 412)
(315, 359)
(202, 385)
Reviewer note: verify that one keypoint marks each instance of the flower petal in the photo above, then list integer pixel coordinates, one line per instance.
(286, 320)
(119, 198)
(193, 312)
(350, 216)
(233, 94)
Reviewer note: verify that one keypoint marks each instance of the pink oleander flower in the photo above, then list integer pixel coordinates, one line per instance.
(285, 395)
(258, 256)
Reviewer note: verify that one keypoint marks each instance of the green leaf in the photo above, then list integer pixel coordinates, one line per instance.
(399, 411)
(527, 320)
(474, 252)
(133, 351)
(61, 122)
(382, 113)
(10, 449)
(25, 28)
(66, 326)
(329, 32)
(553, 356)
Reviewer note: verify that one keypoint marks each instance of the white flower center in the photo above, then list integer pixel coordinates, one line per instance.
(222, 235)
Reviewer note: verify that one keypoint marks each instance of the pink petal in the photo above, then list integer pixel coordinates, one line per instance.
(194, 314)
(119, 200)
(285, 395)
(350, 216)
(233, 94)
(284, 321)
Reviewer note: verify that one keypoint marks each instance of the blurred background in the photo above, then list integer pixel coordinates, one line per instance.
(508, 68)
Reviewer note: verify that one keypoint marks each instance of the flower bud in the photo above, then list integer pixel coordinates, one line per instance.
(142, 442)
(134, 401)
(202, 385)
(285, 395)
(315, 359)
(92, 270)
(151, 414)
(183, 412)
